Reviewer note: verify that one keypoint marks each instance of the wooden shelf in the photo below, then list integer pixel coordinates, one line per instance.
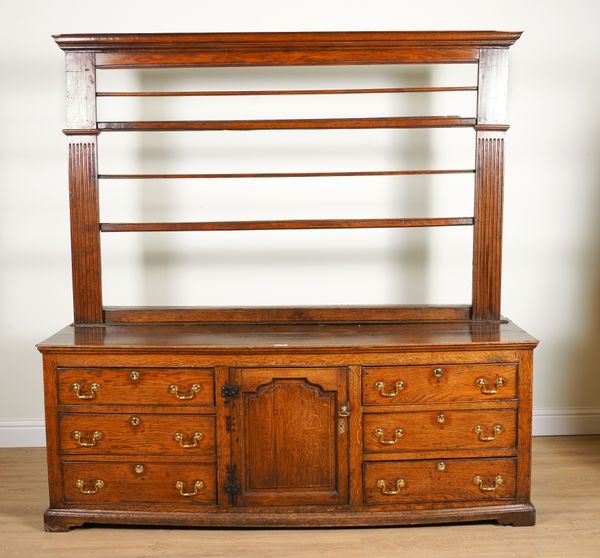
(298, 124)
(287, 225)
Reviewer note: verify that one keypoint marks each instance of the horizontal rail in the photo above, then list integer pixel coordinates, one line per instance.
(285, 315)
(287, 224)
(267, 55)
(284, 92)
(285, 174)
(297, 124)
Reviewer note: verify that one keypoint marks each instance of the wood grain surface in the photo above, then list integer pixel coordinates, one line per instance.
(442, 430)
(424, 482)
(456, 383)
(137, 434)
(155, 485)
(151, 386)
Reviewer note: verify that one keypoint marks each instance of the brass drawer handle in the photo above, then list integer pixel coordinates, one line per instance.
(398, 386)
(390, 492)
(490, 390)
(479, 430)
(479, 482)
(93, 389)
(178, 437)
(95, 437)
(398, 433)
(193, 391)
(98, 484)
(198, 485)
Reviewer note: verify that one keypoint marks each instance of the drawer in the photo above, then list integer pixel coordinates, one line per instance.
(126, 433)
(439, 430)
(136, 386)
(430, 481)
(139, 482)
(394, 385)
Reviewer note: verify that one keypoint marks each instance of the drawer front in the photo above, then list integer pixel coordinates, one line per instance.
(125, 433)
(439, 430)
(394, 385)
(430, 481)
(139, 482)
(136, 386)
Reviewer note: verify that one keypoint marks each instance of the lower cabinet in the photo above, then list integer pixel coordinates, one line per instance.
(367, 443)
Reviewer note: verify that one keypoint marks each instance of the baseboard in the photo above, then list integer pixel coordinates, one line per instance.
(19, 433)
(566, 422)
(22, 433)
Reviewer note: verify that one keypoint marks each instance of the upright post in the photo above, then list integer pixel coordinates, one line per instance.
(489, 182)
(83, 187)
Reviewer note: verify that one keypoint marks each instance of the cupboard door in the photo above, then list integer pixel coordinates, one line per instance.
(290, 436)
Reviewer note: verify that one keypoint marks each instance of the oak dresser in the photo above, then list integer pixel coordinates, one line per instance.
(288, 416)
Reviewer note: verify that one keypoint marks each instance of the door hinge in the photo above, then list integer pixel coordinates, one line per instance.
(232, 488)
(230, 391)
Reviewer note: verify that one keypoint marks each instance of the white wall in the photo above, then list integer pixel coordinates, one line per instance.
(551, 283)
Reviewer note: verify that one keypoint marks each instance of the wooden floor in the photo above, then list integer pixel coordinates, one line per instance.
(566, 492)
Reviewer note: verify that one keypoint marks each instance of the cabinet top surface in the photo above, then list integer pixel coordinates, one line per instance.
(339, 39)
(230, 338)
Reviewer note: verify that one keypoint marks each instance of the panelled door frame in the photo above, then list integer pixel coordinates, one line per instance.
(331, 382)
